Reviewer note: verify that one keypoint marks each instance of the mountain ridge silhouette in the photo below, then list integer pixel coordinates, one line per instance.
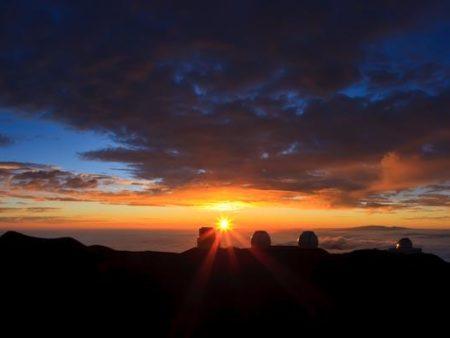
(250, 292)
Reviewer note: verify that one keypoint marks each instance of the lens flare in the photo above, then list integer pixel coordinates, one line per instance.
(224, 224)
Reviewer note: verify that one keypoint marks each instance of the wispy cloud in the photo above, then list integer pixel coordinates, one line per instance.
(28, 209)
(33, 219)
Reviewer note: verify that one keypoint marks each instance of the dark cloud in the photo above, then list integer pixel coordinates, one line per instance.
(38, 177)
(336, 143)
(49, 183)
(232, 93)
(428, 76)
(53, 180)
(432, 200)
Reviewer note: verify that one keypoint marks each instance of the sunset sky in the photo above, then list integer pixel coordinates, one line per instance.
(169, 114)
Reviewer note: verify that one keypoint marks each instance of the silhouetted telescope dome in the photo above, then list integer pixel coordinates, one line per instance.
(260, 239)
(404, 244)
(206, 237)
(308, 240)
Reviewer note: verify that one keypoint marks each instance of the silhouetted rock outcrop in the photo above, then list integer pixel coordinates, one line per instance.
(55, 286)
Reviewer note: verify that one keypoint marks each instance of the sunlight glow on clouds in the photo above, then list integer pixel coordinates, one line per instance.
(337, 108)
(227, 205)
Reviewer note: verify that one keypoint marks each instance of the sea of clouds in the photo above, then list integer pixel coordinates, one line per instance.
(334, 240)
(344, 240)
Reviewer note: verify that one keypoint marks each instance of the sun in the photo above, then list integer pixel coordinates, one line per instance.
(224, 224)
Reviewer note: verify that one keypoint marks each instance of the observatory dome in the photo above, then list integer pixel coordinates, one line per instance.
(206, 237)
(404, 244)
(260, 239)
(308, 240)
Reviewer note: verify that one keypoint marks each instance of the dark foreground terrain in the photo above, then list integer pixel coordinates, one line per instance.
(61, 287)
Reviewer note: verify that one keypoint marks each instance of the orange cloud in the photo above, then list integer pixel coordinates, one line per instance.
(403, 172)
